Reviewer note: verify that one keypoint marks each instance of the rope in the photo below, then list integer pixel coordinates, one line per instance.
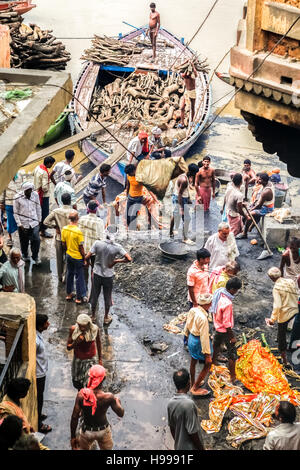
(198, 30)
(251, 74)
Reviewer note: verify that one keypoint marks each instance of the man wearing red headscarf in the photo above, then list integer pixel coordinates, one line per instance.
(138, 148)
(92, 403)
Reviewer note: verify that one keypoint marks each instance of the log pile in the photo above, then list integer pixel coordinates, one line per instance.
(31, 47)
(146, 98)
(188, 66)
(106, 50)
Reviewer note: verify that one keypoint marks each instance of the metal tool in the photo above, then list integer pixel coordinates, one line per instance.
(265, 253)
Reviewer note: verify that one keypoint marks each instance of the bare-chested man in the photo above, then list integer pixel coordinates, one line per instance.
(154, 25)
(181, 200)
(189, 95)
(263, 205)
(92, 404)
(205, 183)
(249, 176)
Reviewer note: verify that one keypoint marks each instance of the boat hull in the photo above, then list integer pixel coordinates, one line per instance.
(83, 93)
(19, 7)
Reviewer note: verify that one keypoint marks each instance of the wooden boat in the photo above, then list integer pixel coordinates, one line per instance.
(19, 7)
(94, 74)
(55, 130)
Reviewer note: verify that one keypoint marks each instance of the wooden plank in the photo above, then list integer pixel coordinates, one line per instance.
(111, 160)
(62, 144)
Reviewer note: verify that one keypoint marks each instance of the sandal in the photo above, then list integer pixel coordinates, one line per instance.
(45, 428)
(83, 300)
(70, 297)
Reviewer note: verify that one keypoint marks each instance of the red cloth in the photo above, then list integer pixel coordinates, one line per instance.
(236, 224)
(89, 398)
(85, 350)
(145, 148)
(223, 318)
(96, 374)
(205, 194)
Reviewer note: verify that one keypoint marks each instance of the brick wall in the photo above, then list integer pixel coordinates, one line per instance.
(288, 47)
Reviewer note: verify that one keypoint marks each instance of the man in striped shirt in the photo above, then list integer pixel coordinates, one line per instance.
(97, 183)
(91, 226)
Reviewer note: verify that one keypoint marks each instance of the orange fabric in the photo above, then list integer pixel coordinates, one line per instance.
(135, 188)
(96, 376)
(10, 408)
(258, 369)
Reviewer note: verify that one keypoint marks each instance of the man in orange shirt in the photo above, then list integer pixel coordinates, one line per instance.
(198, 277)
(135, 199)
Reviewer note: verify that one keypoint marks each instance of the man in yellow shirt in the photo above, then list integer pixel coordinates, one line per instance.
(285, 307)
(72, 240)
(220, 275)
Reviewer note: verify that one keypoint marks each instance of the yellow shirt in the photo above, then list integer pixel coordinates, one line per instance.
(222, 281)
(197, 325)
(73, 237)
(285, 300)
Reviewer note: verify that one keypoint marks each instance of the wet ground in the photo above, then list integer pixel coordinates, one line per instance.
(148, 293)
(151, 290)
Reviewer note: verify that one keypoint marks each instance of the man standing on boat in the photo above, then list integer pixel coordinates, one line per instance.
(135, 151)
(204, 183)
(154, 25)
(189, 95)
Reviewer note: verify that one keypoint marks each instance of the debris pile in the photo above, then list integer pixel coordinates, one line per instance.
(146, 98)
(32, 47)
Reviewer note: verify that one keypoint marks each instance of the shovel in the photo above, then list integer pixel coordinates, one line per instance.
(265, 253)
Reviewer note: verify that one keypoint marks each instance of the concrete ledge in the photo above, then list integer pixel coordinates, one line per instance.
(278, 18)
(277, 234)
(18, 141)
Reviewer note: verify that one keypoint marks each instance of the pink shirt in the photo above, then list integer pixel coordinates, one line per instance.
(198, 279)
(223, 317)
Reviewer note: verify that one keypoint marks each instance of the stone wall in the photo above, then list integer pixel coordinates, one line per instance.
(17, 307)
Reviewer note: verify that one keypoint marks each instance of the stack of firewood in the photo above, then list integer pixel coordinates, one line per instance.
(106, 50)
(147, 98)
(189, 65)
(31, 47)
